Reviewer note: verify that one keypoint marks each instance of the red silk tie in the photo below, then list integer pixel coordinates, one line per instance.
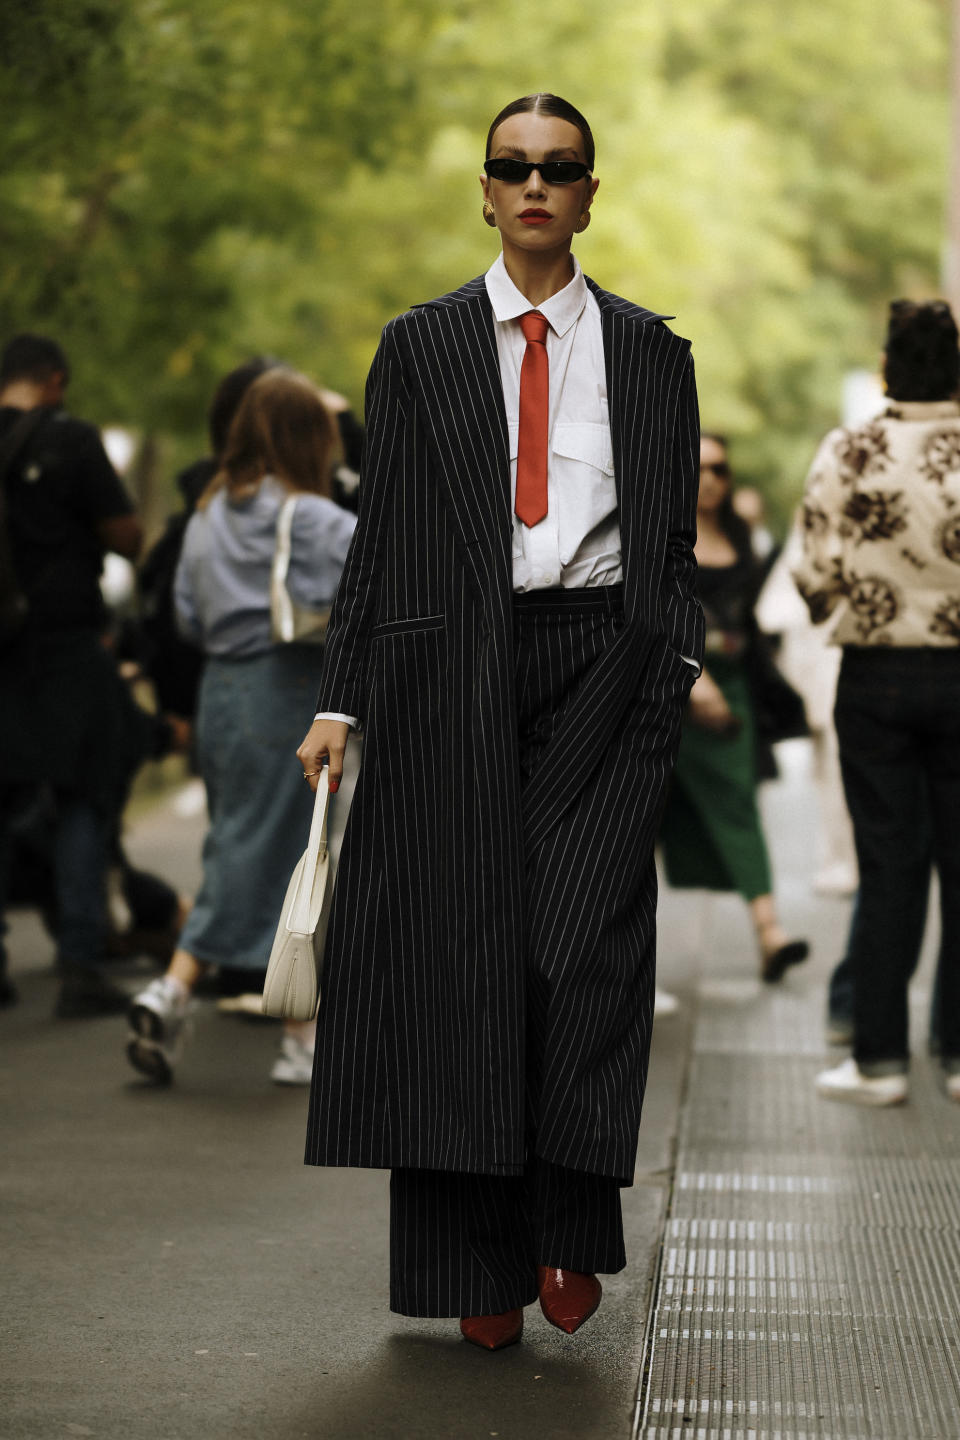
(531, 501)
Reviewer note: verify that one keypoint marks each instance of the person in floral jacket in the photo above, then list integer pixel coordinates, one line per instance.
(881, 562)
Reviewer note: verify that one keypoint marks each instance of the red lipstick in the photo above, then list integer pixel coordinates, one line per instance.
(535, 217)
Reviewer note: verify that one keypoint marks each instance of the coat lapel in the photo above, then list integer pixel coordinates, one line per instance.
(627, 335)
(455, 366)
(636, 388)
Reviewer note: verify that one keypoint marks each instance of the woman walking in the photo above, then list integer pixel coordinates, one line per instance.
(882, 556)
(712, 836)
(517, 632)
(253, 698)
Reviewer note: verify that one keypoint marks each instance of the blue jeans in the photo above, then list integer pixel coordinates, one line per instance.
(898, 723)
(80, 862)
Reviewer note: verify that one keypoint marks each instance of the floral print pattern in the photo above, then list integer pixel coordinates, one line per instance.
(873, 515)
(950, 539)
(862, 450)
(941, 455)
(946, 620)
(814, 520)
(875, 603)
(880, 527)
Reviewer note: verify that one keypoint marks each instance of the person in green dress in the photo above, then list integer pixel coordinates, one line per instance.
(711, 834)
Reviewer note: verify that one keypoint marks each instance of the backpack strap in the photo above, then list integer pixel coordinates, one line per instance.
(17, 437)
(12, 602)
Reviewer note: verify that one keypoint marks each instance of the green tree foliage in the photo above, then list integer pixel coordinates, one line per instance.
(142, 134)
(188, 183)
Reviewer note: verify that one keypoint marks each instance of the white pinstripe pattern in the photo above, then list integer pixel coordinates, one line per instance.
(421, 1054)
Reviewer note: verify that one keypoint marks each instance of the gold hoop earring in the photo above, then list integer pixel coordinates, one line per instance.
(488, 214)
(582, 223)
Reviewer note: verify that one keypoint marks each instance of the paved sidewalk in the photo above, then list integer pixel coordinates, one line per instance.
(172, 1270)
(810, 1275)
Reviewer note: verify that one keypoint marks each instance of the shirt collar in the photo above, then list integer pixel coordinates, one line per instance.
(560, 311)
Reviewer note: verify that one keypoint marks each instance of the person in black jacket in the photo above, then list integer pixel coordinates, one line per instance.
(60, 721)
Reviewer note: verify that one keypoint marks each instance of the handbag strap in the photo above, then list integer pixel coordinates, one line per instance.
(281, 603)
(315, 852)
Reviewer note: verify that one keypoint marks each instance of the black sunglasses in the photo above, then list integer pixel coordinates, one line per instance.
(720, 468)
(553, 172)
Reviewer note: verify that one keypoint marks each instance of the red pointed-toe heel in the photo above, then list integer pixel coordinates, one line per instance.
(493, 1332)
(567, 1297)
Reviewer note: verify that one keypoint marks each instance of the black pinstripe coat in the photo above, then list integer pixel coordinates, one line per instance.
(422, 1043)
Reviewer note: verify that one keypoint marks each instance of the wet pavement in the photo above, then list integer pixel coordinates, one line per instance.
(171, 1269)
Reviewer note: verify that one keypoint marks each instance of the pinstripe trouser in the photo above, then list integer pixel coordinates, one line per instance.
(465, 1244)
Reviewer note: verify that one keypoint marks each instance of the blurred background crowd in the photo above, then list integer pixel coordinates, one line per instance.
(191, 191)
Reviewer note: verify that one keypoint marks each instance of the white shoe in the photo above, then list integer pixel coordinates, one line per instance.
(248, 1004)
(953, 1086)
(157, 1028)
(847, 1082)
(665, 1004)
(294, 1064)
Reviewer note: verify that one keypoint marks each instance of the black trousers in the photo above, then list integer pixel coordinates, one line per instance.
(465, 1244)
(471, 1244)
(898, 722)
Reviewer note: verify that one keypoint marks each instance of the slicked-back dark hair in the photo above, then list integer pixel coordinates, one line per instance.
(923, 359)
(545, 104)
(32, 357)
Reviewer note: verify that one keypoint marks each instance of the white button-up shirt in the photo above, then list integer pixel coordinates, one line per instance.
(577, 543)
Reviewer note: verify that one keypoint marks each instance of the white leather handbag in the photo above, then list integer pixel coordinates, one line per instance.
(291, 623)
(292, 987)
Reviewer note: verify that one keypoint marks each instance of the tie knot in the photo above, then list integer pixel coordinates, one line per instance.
(534, 327)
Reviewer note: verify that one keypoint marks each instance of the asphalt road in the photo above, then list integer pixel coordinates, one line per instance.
(171, 1269)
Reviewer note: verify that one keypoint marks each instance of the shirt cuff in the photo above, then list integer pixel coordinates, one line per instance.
(351, 720)
(688, 660)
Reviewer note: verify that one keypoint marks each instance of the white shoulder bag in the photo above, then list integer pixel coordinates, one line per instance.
(292, 986)
(289, 622)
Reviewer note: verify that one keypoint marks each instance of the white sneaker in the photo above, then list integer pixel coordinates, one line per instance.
(294, 1064)
(846, 1082)
(157, 1029)
(248, 1004)
(953, 1086)
(665, 1004)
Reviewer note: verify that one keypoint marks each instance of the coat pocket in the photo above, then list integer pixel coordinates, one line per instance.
(407, 624)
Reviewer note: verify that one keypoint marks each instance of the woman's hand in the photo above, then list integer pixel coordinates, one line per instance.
(325, 740)
(709, 709)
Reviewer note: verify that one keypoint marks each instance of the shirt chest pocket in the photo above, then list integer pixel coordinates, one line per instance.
(582, 441)
(583, 493)
(584, 444)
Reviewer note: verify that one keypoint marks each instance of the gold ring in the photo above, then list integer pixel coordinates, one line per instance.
(309, 774)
